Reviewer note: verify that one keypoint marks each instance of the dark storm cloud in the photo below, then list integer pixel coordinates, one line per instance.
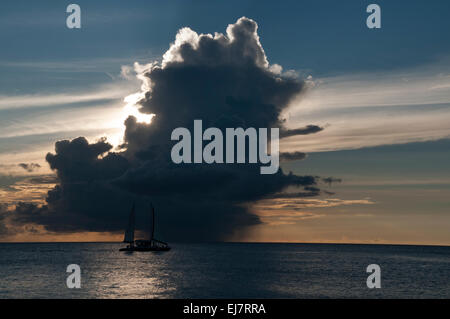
(310, 129)
(78, 161)
(224, 80)
(29, 167)
(84, 198)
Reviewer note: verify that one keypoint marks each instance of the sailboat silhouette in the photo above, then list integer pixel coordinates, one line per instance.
(142, 245)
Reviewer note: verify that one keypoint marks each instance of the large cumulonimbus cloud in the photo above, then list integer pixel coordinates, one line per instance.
(223, 79)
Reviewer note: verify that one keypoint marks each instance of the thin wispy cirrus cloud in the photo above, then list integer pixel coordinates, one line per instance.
(372, 109)
(285, 211)
(30, 123)
(104, 93)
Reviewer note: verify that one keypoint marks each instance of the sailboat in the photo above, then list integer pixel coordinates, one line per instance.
(142, 245)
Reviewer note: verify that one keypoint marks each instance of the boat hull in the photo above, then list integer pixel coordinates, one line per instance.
(145, 249)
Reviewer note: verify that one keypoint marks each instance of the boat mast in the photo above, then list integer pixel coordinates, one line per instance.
(152, 234)
(129, 233)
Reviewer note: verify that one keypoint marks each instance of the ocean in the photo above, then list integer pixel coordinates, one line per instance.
(224, 270)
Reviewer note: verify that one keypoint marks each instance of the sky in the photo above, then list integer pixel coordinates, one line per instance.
(381, 97)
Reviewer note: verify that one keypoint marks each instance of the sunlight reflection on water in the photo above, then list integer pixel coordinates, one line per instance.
(223, 271)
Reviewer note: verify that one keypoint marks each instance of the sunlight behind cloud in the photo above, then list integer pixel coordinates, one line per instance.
(131, 108)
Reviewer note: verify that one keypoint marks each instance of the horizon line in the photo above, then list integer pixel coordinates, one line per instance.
(227, 242)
